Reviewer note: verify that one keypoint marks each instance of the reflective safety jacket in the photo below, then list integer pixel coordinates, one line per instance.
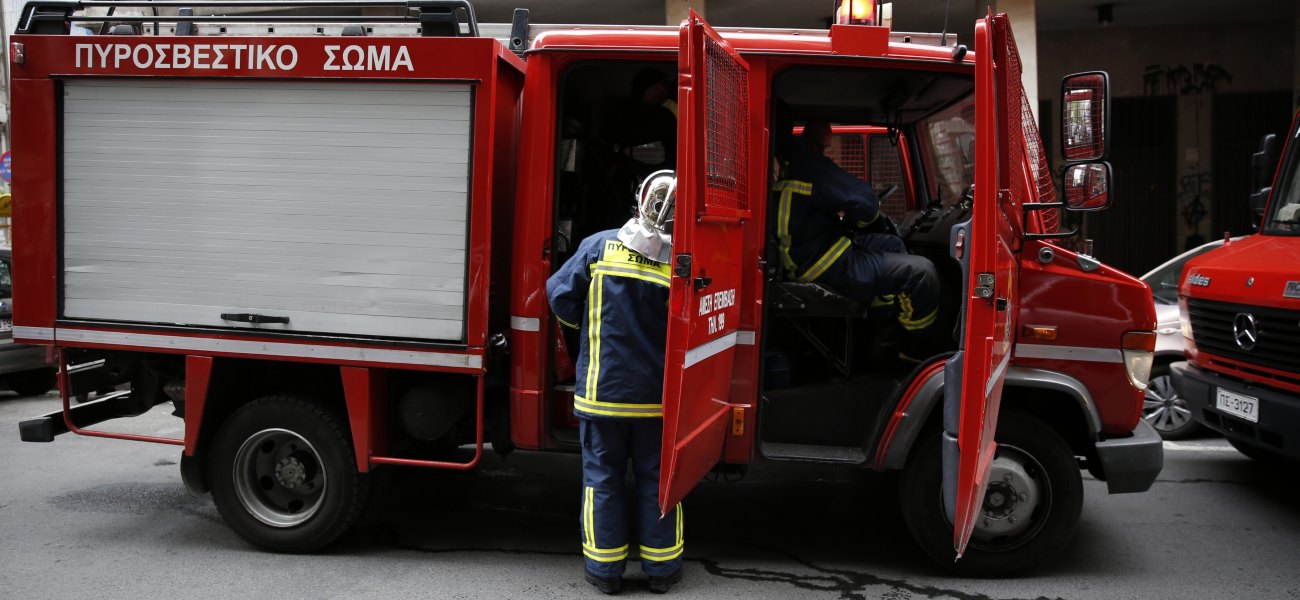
(809, 232)
(618, 299)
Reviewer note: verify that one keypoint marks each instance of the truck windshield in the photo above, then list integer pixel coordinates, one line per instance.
(948, 150)
(1284, 214)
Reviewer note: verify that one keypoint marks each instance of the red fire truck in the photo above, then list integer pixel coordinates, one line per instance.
(1239, 306)
(324, 242)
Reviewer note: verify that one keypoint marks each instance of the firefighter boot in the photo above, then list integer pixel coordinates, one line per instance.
(661, 585)
(607, 585)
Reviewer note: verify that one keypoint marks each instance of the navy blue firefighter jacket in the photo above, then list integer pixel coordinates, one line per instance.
(809, 232)
(618, 300)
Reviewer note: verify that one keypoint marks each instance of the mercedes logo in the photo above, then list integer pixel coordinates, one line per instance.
(1245, 331)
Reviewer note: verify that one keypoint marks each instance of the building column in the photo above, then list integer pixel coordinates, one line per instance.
(1024, 25)
(675, 11)
(1295, 88)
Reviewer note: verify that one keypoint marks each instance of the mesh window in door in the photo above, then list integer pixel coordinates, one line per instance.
(727, 104)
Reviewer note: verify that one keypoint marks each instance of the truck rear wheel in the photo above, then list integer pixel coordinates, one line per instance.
(1030, 510)
(284, 476)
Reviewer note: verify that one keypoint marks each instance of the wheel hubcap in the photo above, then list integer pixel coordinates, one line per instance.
(278, 477)
(1163, 407)
(1015, 493)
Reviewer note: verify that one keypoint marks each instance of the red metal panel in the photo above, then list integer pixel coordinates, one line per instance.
(364, 392)
(198, 373)
(712, 200)
(35, 185)
(989, 318)
(900, 412)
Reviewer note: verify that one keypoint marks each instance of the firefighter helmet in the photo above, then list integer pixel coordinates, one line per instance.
(650, 233)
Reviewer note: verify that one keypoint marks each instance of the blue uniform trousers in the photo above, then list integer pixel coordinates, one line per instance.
(609, 515)
(878, 265)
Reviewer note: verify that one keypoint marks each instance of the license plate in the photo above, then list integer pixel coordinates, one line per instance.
(1237, 405)
(6, 324)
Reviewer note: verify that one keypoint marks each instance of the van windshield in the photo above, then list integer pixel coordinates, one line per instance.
(1284, 214)
(948, 149)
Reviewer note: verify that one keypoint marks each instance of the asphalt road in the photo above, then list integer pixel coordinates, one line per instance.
(85, 517)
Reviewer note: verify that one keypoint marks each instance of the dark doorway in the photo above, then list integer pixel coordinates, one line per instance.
(1140, 231)
(1240, 119)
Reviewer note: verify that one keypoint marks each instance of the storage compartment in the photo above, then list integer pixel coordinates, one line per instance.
(297, 206)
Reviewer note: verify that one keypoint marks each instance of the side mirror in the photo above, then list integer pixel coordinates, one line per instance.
(1088, 186)
(1085, 116)
(1262, 165)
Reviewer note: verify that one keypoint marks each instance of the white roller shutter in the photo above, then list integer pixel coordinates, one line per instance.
(341, 206)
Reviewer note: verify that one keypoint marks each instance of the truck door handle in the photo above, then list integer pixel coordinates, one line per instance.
(702, 282)
(1001, 304)
(253, 318)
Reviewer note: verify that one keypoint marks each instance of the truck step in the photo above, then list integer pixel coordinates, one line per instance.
(812, 453)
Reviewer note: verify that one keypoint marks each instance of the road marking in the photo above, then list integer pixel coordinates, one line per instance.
(1211, 446)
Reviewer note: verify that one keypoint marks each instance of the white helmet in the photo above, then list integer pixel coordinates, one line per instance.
(650, 233)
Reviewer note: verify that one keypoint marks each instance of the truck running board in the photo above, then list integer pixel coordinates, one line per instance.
(45, 427)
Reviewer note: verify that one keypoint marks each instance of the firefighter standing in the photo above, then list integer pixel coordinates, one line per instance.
(615, 290)
(815, 199)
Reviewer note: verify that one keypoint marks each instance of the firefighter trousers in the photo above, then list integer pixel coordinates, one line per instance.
(610, 515)
(878, 266)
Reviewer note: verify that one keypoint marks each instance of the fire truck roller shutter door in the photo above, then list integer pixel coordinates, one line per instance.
(341, 206)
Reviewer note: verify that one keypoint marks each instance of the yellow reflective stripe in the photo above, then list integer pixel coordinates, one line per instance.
(680, 539)
(566, 323)
(628, 270)
(661, 554)
(657, 269)
(588, 516)
(671, 105)
(833, 254)
(613, 409)
(905, 314)
(788, 188)
(922, 323)
(593, 334)
(783, 231)
(602, 555)
(798, 187)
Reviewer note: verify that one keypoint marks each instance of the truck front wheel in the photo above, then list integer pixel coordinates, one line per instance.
(284, 476)
(1030, 510)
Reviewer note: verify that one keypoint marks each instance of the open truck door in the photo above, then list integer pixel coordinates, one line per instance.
(712, 199)
(992, 296)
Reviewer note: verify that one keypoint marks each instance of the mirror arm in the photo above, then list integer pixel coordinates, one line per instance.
(1033, 206)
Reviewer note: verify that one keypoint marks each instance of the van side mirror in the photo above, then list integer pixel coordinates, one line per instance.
(1088, 186)
(1262, 166)
(1085, 116)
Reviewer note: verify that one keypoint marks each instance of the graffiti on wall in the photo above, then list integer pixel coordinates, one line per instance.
(1193, 188)
(1182, 80)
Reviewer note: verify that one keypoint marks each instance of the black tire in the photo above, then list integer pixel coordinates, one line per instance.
(284, 476)
(1018, 536)
(1165, 409)
(32, 383)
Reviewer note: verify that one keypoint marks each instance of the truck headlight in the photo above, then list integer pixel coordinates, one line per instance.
(1139, 349)
(1184, 321)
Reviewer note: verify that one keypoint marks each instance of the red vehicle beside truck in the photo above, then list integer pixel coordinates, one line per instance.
(324, 242)
(1240, 311)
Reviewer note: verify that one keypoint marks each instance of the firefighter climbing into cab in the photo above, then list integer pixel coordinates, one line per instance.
(614, 289)
(830, 230)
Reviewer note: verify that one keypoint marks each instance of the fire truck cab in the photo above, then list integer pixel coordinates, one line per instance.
(326, 247)
(1239, 308)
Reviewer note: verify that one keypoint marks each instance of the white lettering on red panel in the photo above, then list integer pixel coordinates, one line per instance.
(717, 301)
(267, 57)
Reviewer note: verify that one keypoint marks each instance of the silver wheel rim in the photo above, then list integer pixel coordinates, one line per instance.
(279, 478)
(1163, 407)
(1016, 500)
